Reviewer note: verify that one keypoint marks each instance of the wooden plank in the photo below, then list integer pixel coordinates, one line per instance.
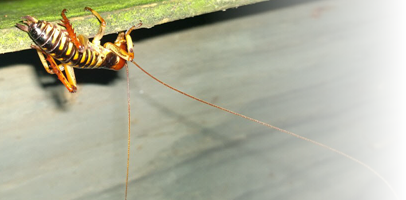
(120, 15)
(328, 70)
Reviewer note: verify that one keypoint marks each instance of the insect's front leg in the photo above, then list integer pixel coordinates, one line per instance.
(123, 46)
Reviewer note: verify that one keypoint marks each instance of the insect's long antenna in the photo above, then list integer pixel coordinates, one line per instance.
(276, 128)
(129, 131)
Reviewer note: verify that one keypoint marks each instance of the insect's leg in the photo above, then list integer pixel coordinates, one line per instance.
(43, 60)
(99, 35)
(70, 74)
(41, 54)
(71, 32)
(119, 51)
(123, 46)
(83, 40)
(128, 40)
(69, 83)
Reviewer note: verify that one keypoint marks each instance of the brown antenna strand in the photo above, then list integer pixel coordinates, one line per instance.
(278, 129)
(129, 130)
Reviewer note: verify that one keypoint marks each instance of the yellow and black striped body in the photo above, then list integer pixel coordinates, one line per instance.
(56, 42)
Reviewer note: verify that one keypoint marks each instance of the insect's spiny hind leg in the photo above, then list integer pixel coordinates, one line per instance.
(71, 33)
(99, 35)
(70, 82)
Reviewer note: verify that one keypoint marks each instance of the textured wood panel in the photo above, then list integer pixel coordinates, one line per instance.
(328, 70)
(120, 15)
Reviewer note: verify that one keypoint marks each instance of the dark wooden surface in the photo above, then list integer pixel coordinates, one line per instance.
(328, 70)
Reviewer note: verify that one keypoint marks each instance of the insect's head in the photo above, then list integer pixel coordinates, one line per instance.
(31, 26)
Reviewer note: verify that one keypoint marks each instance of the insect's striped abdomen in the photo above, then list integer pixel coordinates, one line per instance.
(57, 43)
(53, 41)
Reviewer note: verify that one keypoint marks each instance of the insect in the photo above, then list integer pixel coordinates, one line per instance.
(54, 43)
(230, 112)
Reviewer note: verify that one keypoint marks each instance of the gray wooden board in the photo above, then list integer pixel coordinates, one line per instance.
(328, 70)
